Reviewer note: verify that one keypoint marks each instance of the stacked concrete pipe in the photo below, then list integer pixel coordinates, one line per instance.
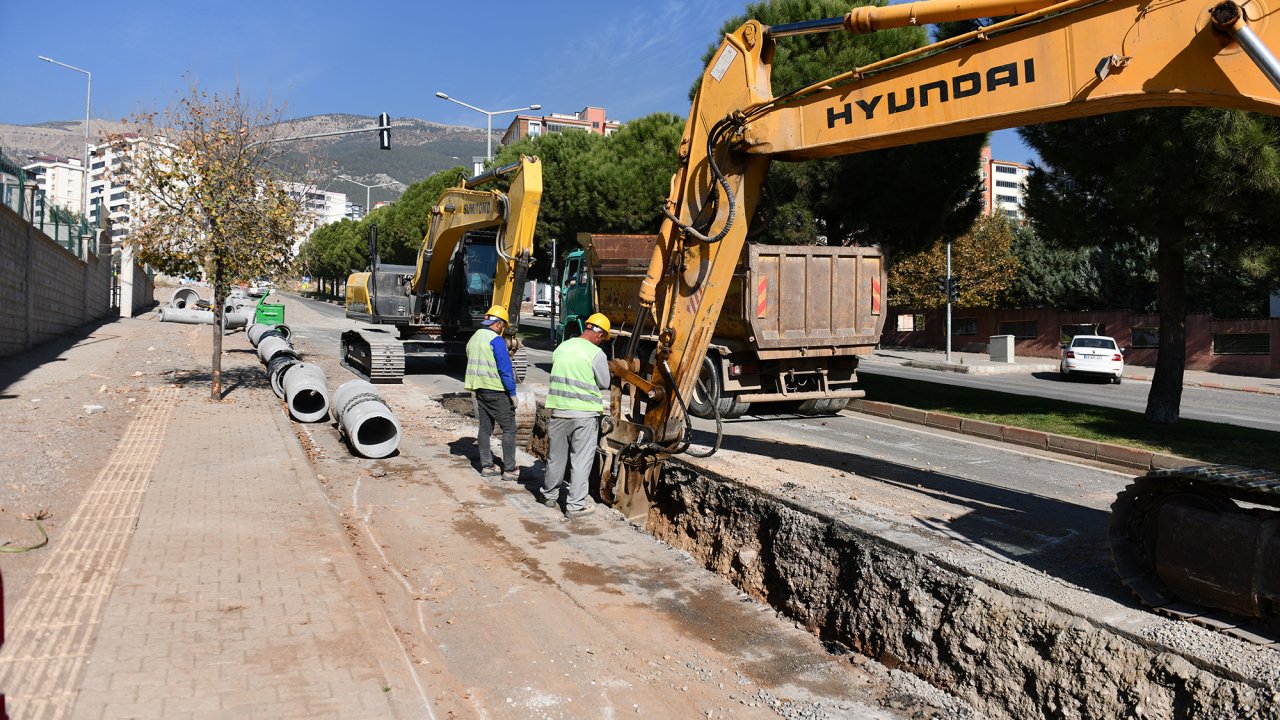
(230, 321)
(305, 392)
(185, 297)
(365, 419)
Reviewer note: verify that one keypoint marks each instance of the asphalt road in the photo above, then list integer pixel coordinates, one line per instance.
(1231, 407)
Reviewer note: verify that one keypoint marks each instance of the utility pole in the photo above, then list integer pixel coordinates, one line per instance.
(554, 283)
(951, 283)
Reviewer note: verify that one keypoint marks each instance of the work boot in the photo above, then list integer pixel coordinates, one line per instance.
(572, 513)
(548, 500)
(491, 471)
(513, 474)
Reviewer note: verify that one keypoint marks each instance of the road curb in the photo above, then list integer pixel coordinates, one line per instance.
(1109, 453)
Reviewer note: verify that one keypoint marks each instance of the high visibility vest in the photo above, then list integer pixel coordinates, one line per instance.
(573, 379)
(482, 367)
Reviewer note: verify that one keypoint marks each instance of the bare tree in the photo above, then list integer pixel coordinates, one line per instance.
(208, 198)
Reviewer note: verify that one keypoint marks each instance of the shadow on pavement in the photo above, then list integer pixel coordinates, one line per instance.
(1061, 539)
(16, 367)
(233, 378)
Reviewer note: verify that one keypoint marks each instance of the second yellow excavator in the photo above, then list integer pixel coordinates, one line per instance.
(476, 254)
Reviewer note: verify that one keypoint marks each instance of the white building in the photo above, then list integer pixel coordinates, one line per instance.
(1005, 184)
(60, 179)
(324, 207)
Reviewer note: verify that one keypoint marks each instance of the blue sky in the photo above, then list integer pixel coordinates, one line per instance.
(321, 56)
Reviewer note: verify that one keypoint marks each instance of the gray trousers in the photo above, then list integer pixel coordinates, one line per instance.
(574, 440)
(495, 406)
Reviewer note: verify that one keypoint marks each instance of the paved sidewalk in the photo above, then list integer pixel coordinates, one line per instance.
(205, 576)
(980, 363)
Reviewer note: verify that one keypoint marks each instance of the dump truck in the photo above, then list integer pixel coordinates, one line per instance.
(794, 322)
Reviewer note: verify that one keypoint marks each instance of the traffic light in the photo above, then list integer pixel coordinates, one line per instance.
(949, 287)
(384, 131)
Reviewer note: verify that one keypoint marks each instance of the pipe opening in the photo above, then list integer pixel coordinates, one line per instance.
(375, 431)
(309, 402)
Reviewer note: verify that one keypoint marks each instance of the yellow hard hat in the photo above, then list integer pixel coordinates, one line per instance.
(602, 322)
(499, 312)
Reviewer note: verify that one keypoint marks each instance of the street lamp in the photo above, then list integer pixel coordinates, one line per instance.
(367, 188)
(84, 197)
(488, 155)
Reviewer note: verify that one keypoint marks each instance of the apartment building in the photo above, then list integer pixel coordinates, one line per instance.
(1004, 185)
(60, 179)
(589, 119)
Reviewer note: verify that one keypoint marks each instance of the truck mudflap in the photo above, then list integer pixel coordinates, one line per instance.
(1203, 544)
(374, 355)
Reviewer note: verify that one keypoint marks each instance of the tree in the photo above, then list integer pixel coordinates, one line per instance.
(209, 197)
(1192, 183)
(872, 197)
(592, 183)
(982, 262)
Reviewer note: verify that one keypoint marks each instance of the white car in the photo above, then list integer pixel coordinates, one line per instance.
(542, 307)
(1093, 355)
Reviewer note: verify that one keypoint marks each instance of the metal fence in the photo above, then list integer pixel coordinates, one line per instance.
(66, 227)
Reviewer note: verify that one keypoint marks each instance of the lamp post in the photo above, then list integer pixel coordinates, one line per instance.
(367, 188)
(84, 195)
(488, 154)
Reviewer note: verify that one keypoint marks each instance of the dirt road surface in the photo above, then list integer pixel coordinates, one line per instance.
(506, 609)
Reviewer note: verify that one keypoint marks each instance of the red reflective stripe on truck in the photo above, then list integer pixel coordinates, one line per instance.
(762, 299)
(875, 296)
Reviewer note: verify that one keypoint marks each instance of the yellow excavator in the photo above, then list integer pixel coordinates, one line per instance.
(475, 254)
(1209, 535)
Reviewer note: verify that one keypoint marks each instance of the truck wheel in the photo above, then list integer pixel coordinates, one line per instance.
(824, 406)
(731, 407)
(706, 392)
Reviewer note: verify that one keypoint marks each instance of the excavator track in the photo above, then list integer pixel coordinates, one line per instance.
(1186, 546)
(375, 355)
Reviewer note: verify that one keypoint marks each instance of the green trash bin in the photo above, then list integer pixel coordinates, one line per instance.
(269, 314)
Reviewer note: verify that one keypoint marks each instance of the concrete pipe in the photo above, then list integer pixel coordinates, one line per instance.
(271, 346)
(305, 392)
(285, 331)
(234, 321)
(187, 316)
(277, 368)
(258, 331)
(184, 297)
(365, 419)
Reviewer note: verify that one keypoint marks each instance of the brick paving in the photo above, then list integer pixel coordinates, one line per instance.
(218, 584)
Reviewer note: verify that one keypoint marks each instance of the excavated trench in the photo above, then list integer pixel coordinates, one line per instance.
(892, 594)
(969, 625)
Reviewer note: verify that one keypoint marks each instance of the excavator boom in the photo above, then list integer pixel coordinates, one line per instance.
(1050, 62)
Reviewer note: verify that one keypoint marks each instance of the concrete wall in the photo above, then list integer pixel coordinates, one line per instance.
(45, 291)
(1120, 324)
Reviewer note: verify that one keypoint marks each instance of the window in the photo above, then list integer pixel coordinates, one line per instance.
(1145, 337)
(964, 326)
(1007, 184)
(1007, 169)
(906, 323)
(1066, 332)
(1019, 329)
(1007, 199)
(535, 128)
(1242, 344)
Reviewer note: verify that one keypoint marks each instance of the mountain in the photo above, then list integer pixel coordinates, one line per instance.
(418, 149)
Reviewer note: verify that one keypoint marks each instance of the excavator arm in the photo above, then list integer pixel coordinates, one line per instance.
(1054, 61)
(1175, 534)
(464, 208)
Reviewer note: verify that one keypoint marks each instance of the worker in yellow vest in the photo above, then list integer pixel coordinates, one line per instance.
(576, 399)
(490, 376)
